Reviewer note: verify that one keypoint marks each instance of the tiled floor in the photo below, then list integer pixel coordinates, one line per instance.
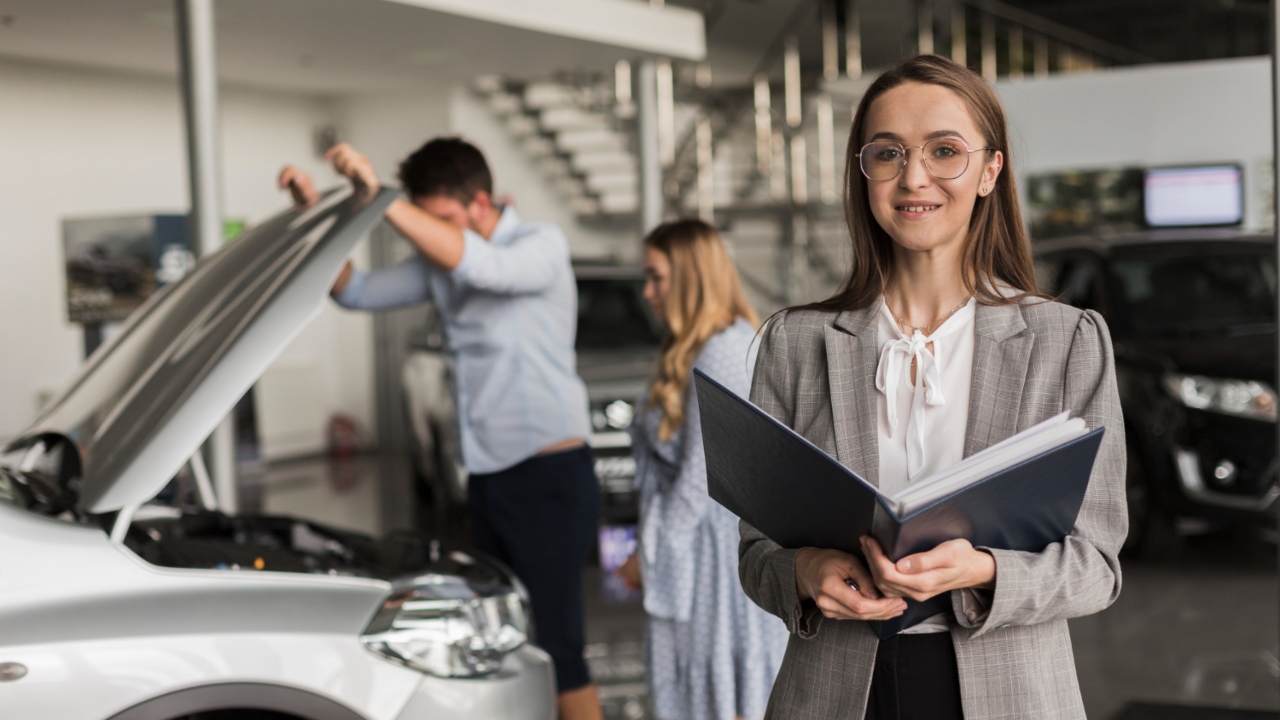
(1200, 629)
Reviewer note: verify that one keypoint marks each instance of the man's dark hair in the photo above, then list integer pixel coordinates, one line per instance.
(448, 166)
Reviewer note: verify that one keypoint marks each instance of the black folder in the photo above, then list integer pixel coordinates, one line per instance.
(798, 496)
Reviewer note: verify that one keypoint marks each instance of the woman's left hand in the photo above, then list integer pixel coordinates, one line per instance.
(629, 572)
(950, 566)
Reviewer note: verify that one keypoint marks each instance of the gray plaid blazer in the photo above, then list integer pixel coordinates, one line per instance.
(816, 373)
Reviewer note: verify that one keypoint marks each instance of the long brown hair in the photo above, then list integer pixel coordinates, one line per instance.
(705, 294)
(997, 249)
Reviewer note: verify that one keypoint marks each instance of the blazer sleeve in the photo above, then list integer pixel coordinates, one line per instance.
(767, 570)
(1081, 574)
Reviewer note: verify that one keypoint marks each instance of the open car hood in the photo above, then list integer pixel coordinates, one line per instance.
(145, 401)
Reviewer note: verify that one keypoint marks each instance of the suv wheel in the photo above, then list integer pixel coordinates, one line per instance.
(1152, 534)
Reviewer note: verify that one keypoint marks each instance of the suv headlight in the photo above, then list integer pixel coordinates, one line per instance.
(1242, 398)
(448, 627)
(616, 415)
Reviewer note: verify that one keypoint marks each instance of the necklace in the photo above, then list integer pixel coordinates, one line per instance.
(924, 330)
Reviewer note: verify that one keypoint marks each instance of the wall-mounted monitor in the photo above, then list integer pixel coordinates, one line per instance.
(1194, 196)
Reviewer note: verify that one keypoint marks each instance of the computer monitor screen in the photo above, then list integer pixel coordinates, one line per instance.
(1206, 195)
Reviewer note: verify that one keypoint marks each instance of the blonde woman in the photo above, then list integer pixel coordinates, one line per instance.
(710, 653)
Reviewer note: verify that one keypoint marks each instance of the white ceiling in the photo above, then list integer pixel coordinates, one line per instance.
(338, 46)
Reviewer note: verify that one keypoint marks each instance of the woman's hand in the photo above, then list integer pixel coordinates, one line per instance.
(950, 566)
(839, 584)
(353, 165)
(629, 572)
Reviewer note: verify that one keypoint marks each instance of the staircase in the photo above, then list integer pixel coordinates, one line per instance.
(764, 162)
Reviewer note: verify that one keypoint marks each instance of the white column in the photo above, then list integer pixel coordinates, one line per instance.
(988, 47)
(799, 170)
(827, 150)
(1017, 51)
(706, 173)
(924, 26)
(197, 58)
(791, 81)
(666, 114)
(764, 126)
(853, 40)
(1275, 134)
(650, 161)
(830, 41)
(959, 50)
(1041, 58)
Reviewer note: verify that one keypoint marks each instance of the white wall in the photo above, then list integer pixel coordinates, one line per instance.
(1186, 113)
(79, 142)
(86, 143)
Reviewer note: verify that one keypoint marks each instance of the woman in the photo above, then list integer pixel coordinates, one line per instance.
(937, 346)
(710, 653)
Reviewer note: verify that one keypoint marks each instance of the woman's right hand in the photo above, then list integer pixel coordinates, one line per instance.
(842, 588)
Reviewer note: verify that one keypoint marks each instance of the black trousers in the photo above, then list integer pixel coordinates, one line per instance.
(540, 518)
(915, 678)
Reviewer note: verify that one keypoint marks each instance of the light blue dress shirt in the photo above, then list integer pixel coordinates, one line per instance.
(510, 311)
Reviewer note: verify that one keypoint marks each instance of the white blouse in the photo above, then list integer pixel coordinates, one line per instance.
(921, 423)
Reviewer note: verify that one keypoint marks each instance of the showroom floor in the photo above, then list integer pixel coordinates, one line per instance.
(1200, 629)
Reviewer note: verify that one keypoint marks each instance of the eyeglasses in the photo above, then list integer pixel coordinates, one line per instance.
(945, 158)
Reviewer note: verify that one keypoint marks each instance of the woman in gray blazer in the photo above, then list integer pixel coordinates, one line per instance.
(938, 345)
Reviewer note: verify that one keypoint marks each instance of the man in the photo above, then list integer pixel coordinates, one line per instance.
(506, 292)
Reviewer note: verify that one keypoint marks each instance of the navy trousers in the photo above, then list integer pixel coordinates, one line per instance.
(540, 518)
(915, 678)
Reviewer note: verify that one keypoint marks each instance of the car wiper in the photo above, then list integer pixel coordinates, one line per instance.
(1257, 328)
(1212, 328)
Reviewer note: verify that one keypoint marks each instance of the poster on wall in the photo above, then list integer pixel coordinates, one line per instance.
(1085, 201)
(113, 264)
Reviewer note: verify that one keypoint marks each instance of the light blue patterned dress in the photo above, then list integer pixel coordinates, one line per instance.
(710, 652)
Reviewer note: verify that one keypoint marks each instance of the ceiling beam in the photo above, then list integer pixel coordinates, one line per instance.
(643, 27)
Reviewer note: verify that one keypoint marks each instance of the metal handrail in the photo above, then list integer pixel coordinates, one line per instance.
(1055, 31)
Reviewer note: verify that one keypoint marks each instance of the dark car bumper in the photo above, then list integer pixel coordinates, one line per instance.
(1223, 467)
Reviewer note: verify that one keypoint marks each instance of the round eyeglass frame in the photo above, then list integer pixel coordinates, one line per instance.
(923, 157)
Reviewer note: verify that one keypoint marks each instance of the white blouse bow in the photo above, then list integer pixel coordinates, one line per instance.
(895, 359)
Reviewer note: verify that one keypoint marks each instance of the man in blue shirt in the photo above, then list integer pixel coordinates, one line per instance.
(506, 292)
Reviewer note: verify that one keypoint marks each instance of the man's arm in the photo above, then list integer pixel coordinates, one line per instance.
(439, 241)
(401, 285)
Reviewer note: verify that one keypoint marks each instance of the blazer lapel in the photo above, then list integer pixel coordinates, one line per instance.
(1001, 353)
(851, 376)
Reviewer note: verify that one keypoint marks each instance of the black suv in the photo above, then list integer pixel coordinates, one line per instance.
(1193, 318)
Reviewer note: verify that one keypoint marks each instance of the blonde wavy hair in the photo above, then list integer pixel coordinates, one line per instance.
(705, 297)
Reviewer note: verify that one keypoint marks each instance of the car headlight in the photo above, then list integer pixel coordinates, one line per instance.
(616, 415)
(1242, 398)
(448, 627)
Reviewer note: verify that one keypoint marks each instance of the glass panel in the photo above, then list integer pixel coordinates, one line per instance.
(613, 313)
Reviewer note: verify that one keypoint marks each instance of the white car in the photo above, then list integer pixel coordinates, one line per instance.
(114, 609)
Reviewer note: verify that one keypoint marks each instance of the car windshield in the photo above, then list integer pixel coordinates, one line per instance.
(612, 313)
(1207, 290)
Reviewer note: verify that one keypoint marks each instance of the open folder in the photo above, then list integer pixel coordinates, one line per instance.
(1020, 494)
